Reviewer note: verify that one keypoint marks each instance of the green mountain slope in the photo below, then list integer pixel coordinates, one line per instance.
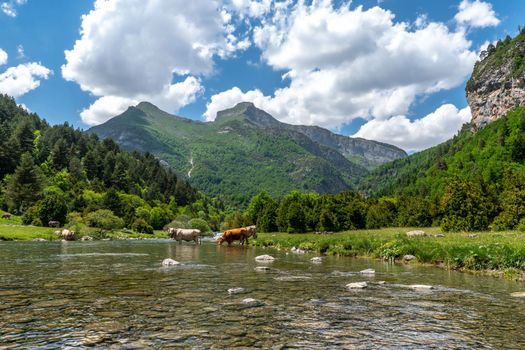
(245, 150)
(482, 156)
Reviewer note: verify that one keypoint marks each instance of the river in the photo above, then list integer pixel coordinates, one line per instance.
(116, 295)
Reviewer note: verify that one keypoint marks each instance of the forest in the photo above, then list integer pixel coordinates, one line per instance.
(56, 173)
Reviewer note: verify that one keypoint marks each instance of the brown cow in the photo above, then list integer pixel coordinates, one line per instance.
(6, 216)
(236, 234)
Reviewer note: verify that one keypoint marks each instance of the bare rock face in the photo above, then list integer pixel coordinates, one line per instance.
(497, 84)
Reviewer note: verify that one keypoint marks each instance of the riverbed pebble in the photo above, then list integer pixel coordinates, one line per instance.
(357, 285)
(236, 290)
(86, 238)
(316, 260)
(251, 301)
(518, 294)
(262, 269)
(368, 272)
(39, 240)
(420, 287)
(169, 262)
(266, 258)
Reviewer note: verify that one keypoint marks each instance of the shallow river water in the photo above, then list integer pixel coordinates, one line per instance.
(117, 295)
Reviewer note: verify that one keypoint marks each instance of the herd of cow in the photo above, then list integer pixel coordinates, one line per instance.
(241, 234)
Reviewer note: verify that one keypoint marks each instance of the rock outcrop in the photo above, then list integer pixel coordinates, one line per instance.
(497, 84)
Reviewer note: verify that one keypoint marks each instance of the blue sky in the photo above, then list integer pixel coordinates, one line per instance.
(257, 50)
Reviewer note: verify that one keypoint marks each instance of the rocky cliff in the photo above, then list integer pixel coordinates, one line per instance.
(497, 84)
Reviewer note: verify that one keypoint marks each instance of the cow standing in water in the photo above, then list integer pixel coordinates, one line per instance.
(181, 234)
(236, 234)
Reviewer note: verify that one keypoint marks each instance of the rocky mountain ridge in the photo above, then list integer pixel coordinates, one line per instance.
(497, 84)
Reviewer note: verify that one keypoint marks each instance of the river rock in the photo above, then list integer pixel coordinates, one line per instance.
(408, 257)
(39, 240)
(316, 260)
(86, 238)
(420, 287)
(298, 251)
(169, 262)
(368, 272)
(235, 290)
(265, 258)
(251, 302)
(357, 285)
(68, 235)
(416, 233)
(518, 294)
(262, 269)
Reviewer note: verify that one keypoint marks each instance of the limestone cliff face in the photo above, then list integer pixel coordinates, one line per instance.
(498, 81)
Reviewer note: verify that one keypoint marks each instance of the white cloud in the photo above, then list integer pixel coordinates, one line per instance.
(345, 63)
(3, 57)
(9, 8)
(20, 52)
(133, 49)
(476, 14)
(17, 81)
(175, 97)
(251, 8)
(416, 135)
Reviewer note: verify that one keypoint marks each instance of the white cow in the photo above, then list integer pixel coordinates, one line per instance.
(181, 234)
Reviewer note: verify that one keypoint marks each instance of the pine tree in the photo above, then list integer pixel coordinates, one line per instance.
(24, 188)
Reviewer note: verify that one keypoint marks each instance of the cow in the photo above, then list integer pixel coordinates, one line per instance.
(236, 234)
(53, 223)
(6, 216)
(68, 235)
(252, 232)
(181, 234)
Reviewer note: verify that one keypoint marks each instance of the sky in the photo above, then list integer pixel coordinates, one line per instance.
(387, 70)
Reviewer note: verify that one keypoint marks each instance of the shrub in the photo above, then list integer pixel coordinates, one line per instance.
(104, 219)
(140, 225)
(199, 224)
(175, 224)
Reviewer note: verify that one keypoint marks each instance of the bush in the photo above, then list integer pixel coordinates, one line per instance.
(31, 215)
(74, 218)
(104, 219)
(53, 207)
(140, 225)
(199, 224)
(175, 224)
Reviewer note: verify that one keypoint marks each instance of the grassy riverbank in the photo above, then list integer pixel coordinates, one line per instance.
(14, 232)
(494, 252)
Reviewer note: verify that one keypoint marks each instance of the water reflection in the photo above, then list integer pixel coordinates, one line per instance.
(116, 294)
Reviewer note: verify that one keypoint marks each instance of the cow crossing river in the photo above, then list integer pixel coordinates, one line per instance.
(117, 294)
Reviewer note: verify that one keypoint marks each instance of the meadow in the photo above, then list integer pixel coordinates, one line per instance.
(494, 252)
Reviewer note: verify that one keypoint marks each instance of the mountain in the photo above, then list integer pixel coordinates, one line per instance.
(497, 84)
(246, 150)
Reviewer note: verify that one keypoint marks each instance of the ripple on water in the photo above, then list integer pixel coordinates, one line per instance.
(114, 295)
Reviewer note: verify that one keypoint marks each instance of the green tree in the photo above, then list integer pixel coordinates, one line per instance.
(53, 207)
(199, 224)
(464, 207)
(24, 188)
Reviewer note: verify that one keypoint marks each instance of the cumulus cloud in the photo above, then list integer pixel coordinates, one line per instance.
(476, 14)
(345, 63)
(19, 80)
(3, 57)
(416, 135)
(134, 49)
(175, 97)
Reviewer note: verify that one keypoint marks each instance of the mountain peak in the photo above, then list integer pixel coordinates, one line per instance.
(247, 111)
(146, 106)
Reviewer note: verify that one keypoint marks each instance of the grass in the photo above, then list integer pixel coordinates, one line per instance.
(15, 232)
(482, 251)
